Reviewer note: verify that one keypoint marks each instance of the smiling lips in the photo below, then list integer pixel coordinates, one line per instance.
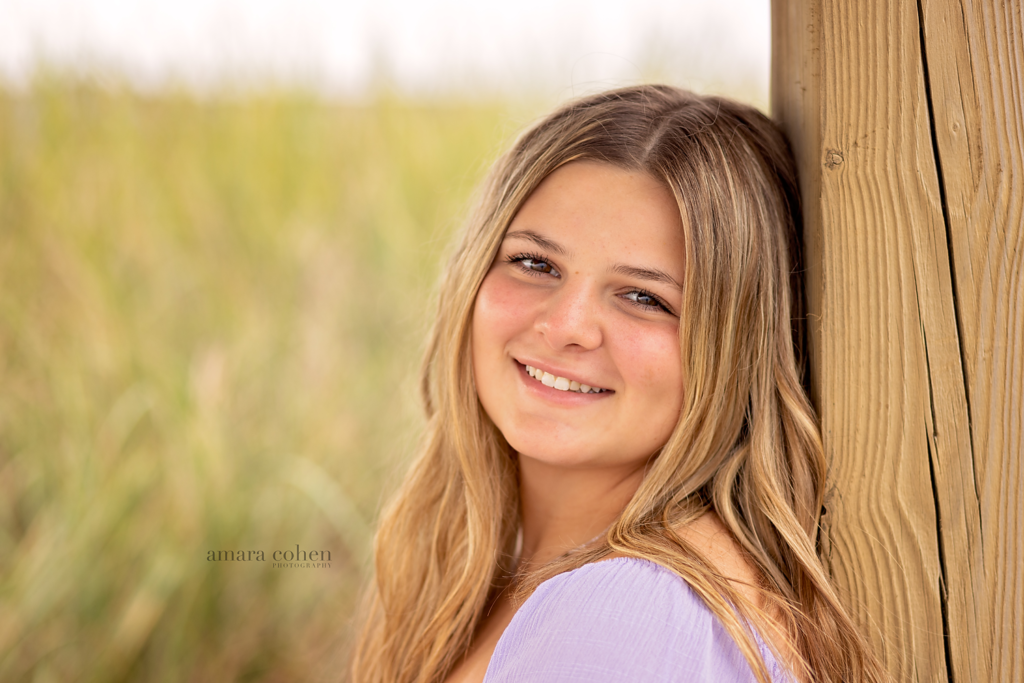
(561, 383)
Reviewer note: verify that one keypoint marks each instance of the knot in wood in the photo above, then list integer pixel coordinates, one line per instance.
(833, 158)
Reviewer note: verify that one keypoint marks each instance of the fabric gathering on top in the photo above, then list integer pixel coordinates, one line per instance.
(626, 620)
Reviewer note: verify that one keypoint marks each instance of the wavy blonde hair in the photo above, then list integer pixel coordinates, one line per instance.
(747, 444)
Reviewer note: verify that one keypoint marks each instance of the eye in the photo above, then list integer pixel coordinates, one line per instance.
(533, 264)
(646, 300)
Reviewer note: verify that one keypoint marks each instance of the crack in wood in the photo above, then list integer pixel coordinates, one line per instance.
(943, 578)
(957, 312)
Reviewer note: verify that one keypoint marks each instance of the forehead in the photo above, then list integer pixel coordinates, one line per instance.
(588, 206)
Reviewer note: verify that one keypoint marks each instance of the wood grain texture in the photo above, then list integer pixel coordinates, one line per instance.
(879, 187)
(905, 119)
(796, 75)
(975, 61)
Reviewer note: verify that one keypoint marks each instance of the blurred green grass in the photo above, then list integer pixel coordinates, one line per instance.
(211, 313)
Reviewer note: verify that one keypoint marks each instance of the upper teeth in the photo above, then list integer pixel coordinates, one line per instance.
(561, 383)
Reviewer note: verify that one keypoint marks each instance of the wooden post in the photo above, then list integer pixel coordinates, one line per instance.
(907, 121)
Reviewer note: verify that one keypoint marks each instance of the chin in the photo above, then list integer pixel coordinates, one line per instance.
(568, 455)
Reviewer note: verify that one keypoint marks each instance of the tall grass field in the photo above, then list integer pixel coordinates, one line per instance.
(211, 315)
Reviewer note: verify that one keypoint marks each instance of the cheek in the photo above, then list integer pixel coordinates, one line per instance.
(501, 311)
(495, 322)
(500, 315)
(652, 356)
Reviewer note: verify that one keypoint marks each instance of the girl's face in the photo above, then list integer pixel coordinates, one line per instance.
(584, 293)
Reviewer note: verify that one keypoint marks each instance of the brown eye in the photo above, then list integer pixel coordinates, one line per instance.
(538, 266)
(533, 265)
(645, 300)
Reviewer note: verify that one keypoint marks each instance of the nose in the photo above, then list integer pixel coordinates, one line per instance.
(572, 318)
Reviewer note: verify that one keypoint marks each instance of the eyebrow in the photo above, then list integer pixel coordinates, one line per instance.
(540, 241)
(649, 274)
(652, 274)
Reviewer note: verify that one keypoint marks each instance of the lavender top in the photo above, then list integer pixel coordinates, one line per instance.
(625, 620)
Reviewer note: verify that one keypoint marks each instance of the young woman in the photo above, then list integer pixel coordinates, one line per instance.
(622, 477)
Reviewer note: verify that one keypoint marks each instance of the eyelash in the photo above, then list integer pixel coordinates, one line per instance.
(658, 304)
(517, 259)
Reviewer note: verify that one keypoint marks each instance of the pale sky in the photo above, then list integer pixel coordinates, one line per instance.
(550, 47)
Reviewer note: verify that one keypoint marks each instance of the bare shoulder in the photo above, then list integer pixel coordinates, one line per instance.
(716, 543)
(712, 538)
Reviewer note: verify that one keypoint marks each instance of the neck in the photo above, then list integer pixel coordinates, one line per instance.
(564, 508)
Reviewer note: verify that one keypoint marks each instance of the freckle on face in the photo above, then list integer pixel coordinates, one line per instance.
(581, 323)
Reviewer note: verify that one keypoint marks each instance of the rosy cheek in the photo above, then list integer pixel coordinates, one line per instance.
(502, 304)
(652, 354)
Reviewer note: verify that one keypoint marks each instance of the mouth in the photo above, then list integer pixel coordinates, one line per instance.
(559, 383)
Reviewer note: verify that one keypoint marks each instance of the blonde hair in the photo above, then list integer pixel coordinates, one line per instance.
(747, 444)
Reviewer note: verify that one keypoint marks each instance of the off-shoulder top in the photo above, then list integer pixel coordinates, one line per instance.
(625, 620)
